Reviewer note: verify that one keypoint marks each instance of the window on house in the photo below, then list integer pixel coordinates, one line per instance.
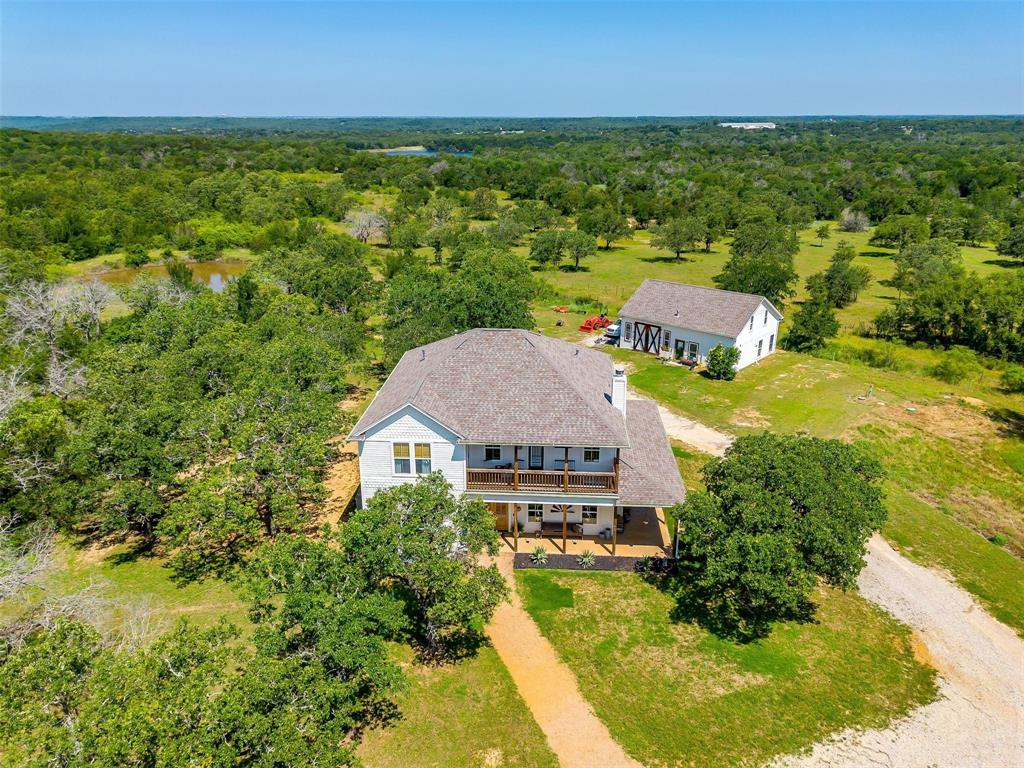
(751, 322)
(589, 515)
(536, 457)
(422, 458)
(591, 455)
(771, 343)
(766, 317)
(492, 453)
(760, 344)
(627, 331)
(666, 341)
(534, 513)
(401, 454)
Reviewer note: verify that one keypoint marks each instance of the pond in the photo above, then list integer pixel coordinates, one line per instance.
(426, 152)
(213, 274)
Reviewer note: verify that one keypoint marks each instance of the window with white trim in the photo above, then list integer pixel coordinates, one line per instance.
(771, 343)
(666, 341)
(589, 514)
(591, 455)
(766, 317)
(534, 513)
(751, 322)
(422, 458)
(627, 331)
(492, 453)
(400, 452)
(760, 344)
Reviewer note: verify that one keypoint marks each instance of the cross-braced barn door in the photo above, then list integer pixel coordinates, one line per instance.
(647, 337)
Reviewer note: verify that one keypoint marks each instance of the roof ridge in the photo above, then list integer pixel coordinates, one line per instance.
(705, 287)
(603, 416)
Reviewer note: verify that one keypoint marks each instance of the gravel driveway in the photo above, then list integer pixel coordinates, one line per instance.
(978, 720)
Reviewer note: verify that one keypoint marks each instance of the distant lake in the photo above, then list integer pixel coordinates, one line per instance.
(213, 274)
(424, 151)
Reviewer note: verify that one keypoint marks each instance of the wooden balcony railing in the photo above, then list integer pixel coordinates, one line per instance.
(565, 481)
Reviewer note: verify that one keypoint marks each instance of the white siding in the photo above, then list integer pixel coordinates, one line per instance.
(376, 464)
(575, 515)
(746, 340)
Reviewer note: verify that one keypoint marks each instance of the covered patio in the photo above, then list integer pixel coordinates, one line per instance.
(645, 534)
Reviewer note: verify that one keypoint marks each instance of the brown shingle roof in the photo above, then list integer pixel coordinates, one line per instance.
(710, 310)
(648, 474)
(506, 386)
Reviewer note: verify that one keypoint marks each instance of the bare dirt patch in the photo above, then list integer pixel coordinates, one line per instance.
(748, 417)
(342, 484)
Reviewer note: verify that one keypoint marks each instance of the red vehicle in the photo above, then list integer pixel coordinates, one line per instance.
(595, 323)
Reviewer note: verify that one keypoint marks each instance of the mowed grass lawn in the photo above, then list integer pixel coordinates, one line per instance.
(954, 455)
(466, 715)
(673, 694)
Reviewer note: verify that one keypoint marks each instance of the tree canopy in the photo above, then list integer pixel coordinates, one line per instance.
(779, 513)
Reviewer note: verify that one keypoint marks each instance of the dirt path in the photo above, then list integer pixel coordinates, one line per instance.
(549, 688)
(979, 721)
(691, 432)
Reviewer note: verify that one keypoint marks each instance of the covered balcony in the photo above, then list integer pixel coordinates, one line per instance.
(531, 471)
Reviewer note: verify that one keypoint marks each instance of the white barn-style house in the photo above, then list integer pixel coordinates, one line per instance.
(684, 322)
(540, 429)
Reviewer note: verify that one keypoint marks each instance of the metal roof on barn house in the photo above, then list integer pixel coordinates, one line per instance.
(709, 310)
(506, 386)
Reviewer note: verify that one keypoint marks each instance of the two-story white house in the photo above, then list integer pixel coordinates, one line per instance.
(684, 322)
(540, 429)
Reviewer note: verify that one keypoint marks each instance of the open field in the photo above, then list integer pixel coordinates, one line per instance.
(612, 275)
(952, 454)
(673, 694)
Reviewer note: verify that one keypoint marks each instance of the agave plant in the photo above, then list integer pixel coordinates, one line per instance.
(539, 556)
(586, 559)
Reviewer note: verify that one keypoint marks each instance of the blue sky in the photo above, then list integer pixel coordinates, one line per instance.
(511, 59)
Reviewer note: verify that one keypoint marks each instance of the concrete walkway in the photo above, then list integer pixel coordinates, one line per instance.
(549, 688)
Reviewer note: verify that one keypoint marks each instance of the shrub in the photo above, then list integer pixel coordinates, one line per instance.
(539, 556)
(586, 559)
(956, 365)
(721, 362)
(136, 256)
(853, 221)
(1013, 378)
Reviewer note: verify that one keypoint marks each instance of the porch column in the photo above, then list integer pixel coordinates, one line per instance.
(515, 468)
(616, 469)
(565, 471)
(515, 527)
(615, 527)
(565, 520)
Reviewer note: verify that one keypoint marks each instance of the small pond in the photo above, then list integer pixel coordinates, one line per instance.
(214, 274)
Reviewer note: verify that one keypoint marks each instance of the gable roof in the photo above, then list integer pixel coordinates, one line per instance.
(710, 310)
(648, 474)
(505, 386)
